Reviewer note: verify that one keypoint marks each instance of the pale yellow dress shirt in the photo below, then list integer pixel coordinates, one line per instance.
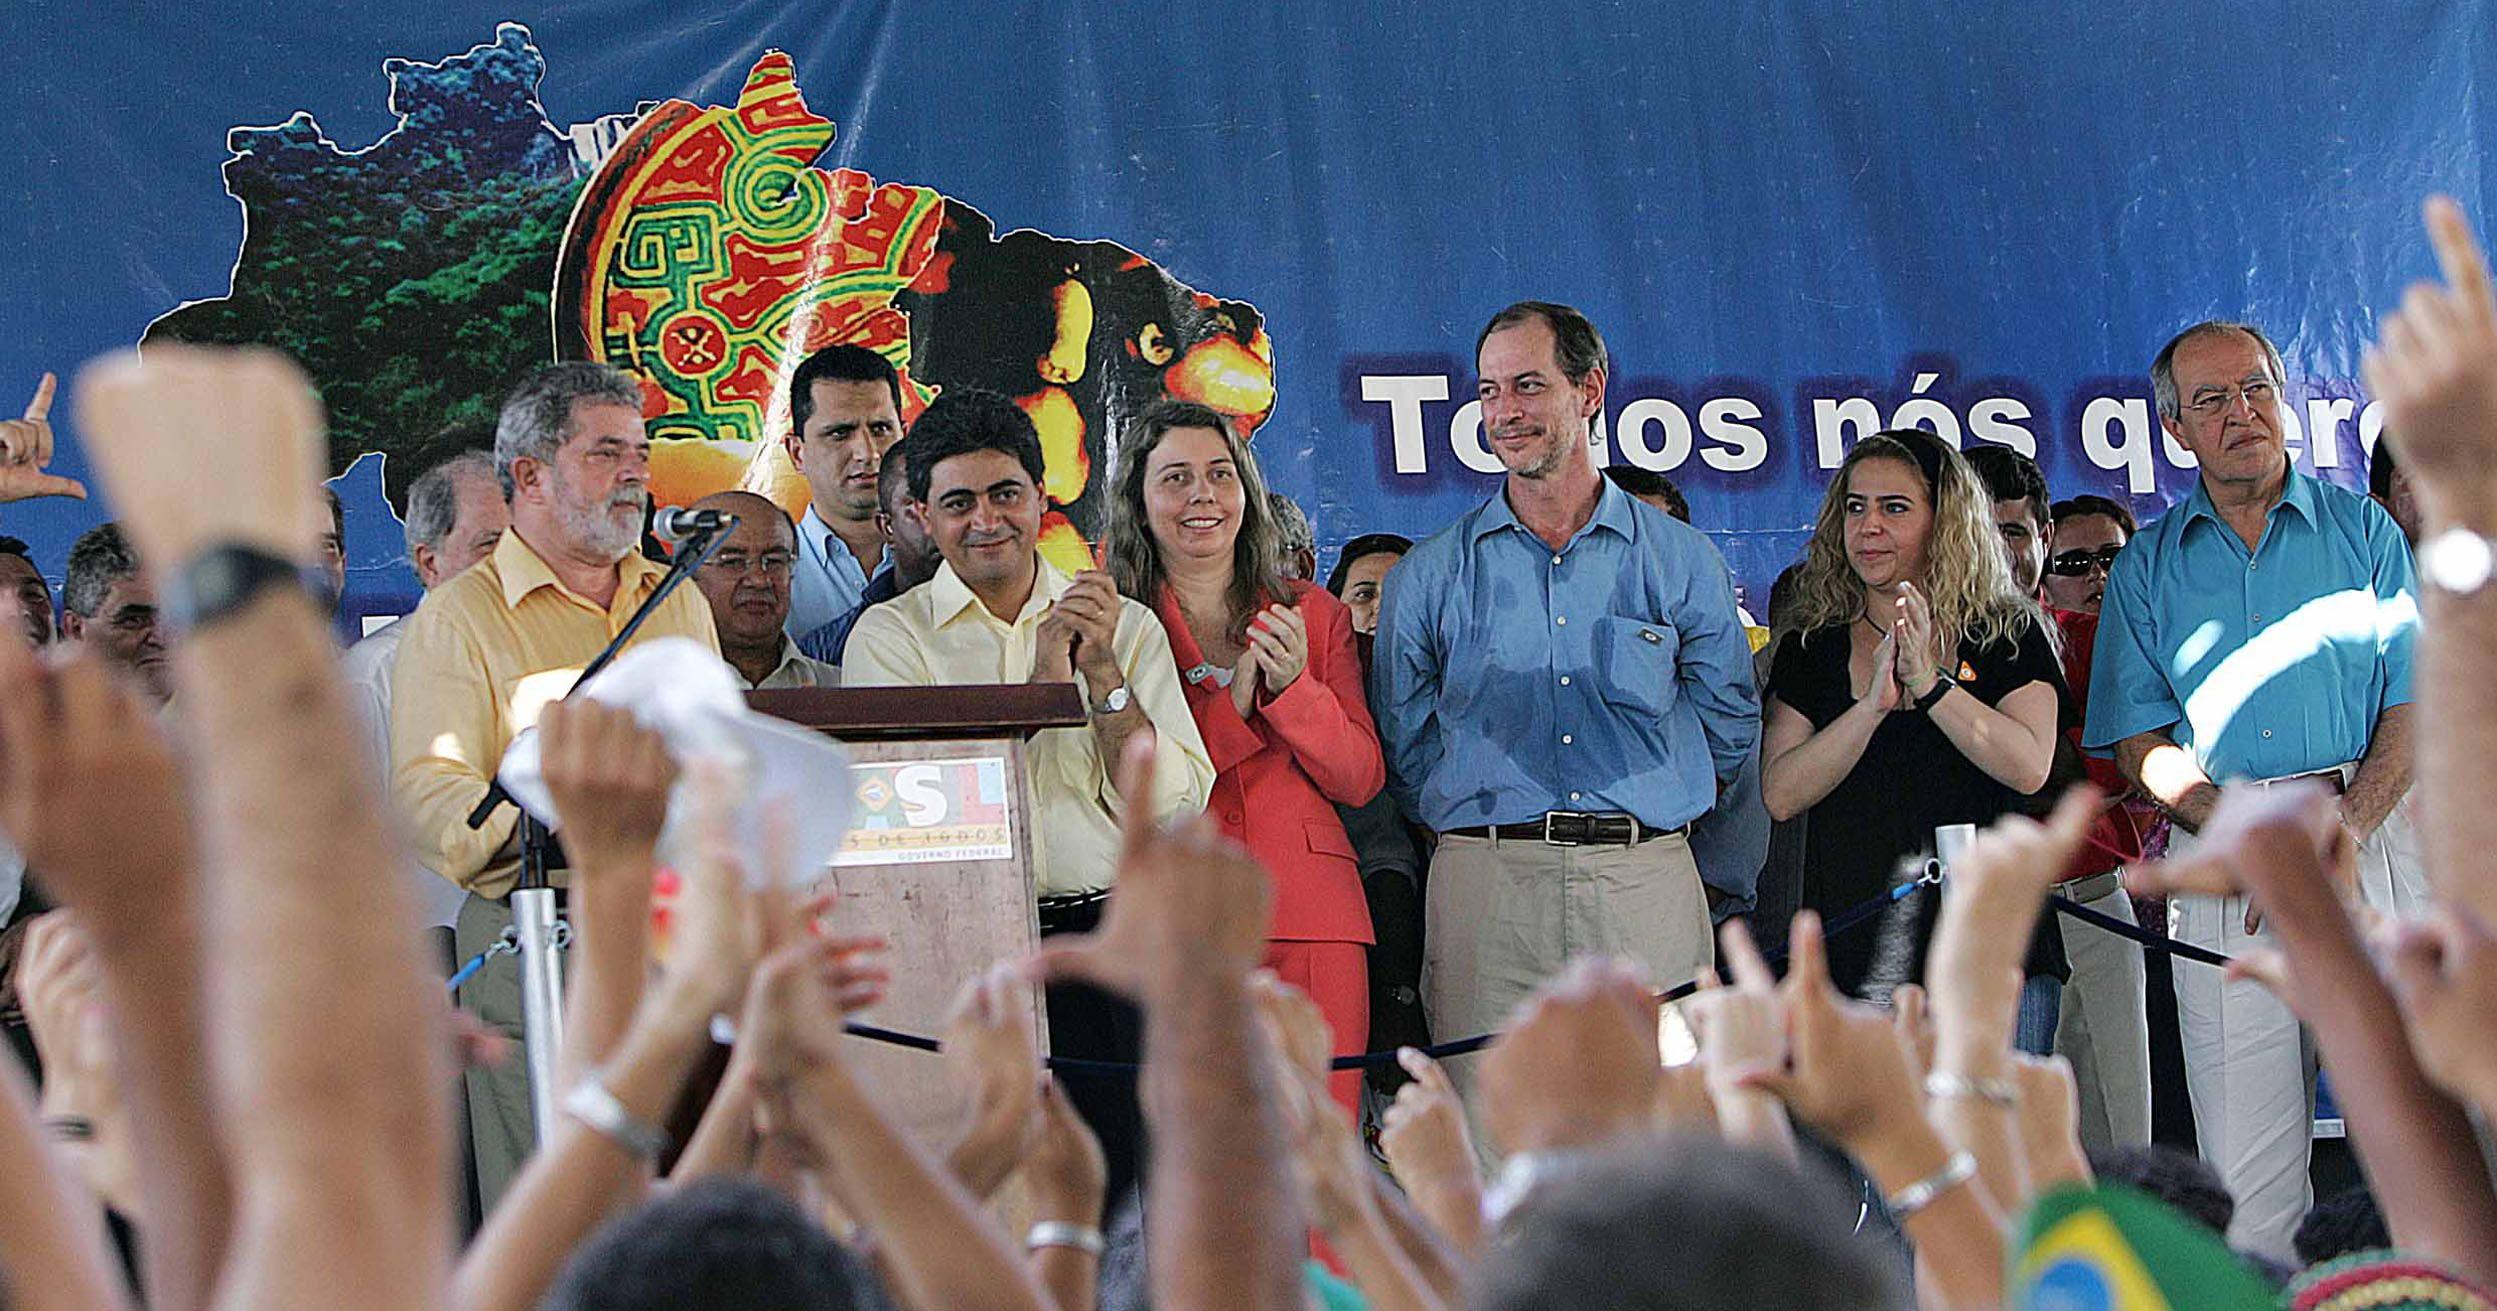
(483, 655)
(938, 633)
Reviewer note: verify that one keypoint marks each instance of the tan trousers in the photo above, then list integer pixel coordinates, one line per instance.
(2103, 1028)
(1503, 915)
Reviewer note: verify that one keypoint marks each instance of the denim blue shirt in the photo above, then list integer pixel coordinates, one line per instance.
(825, 581)
(1511, 679)
(2262, 663)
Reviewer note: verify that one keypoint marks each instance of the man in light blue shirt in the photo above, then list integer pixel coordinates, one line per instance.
(845, 408)
(1562, 686)
(2262, 630)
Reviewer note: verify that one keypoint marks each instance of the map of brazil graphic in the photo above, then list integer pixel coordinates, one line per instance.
(700, 249)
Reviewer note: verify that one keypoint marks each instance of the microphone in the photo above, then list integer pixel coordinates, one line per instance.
(677, 523)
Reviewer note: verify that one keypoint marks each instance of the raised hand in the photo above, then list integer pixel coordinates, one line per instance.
(1294, 1024)
(989, 1049)
(2444, 971)
(89, 789)
(1189, 906)
(1912, 624)
(1997, 887)
(1280, 636)
(1431, 1153)
(610, 779)
(1064, 1165)
(1742, 1027)
(1090, 606)
(143, 420)
(1882, 691)
(1245, 673)
(26, 447)
(1053, 647)
(2258, 841)
(1848, 1073)
(1598, 1021)
(2434, 365)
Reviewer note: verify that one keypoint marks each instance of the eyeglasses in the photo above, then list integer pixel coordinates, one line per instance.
(2077, 564)
(773, 564)
(2218, 400)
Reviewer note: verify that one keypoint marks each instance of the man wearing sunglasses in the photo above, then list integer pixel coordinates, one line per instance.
(2088, 532)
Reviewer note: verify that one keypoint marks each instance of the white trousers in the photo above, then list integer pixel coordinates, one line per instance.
(2249, 1067)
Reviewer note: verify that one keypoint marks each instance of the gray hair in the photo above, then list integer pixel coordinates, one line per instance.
(433, 500)
(100, 558)
(2163, 368)
(1291, 524)
(538, 415)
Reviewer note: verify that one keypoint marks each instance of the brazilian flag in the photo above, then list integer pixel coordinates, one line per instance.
(2111, 1248)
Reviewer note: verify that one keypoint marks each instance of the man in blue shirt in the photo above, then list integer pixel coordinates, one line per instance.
(2262, 630)
(845, 408)
(1562, 686)
(911, 558)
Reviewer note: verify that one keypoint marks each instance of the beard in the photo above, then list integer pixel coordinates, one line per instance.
(601, 532)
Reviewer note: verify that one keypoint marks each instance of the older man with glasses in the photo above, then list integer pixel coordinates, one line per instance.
(2261, 630)
(746, 580)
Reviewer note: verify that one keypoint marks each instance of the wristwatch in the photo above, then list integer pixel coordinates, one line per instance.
(2457, 560)
(221, 581)
(1115, 702)
(1932, 696)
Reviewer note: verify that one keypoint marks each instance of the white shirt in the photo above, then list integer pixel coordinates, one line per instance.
(796, 669)
(367, 668)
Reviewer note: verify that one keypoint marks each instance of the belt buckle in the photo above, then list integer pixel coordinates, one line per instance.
(1550, 815)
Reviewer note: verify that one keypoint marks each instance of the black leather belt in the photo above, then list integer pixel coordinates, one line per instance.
(1575, 828)
(1073, 912)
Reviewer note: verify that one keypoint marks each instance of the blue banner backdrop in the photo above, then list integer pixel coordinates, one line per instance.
(1795, 222)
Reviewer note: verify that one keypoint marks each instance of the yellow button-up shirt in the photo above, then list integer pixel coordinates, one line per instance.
(483, 655)
(939, 633)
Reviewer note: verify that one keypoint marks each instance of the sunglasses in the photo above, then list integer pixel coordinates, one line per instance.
(2077, 564)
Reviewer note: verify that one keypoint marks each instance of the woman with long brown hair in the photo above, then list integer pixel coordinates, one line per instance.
(1275, 686)
(1919, 688)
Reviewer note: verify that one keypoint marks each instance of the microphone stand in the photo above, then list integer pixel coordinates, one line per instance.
(539, 929)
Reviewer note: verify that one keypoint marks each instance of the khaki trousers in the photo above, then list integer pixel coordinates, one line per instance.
(2104, 1030)
(1502, 915)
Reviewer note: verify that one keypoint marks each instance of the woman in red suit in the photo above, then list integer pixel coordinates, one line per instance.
(1275, 687)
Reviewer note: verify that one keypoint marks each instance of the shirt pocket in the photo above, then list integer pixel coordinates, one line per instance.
(1634, 663)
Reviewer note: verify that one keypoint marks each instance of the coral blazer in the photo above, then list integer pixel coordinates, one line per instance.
(1288, 764)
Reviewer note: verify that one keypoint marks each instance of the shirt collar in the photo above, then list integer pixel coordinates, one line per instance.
(819, 541)
(522, 571)
(2296, 493)
(789, 655)
(1612, 510)
(949, 596)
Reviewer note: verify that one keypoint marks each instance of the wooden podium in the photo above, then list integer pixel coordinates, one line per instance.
(939, 859)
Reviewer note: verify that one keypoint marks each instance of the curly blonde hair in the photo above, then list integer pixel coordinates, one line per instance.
(1967, 581)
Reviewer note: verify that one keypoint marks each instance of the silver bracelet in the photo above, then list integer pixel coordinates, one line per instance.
(1997, 1092)
(591, 1104)
(1063, 1233)
(1915, 1197)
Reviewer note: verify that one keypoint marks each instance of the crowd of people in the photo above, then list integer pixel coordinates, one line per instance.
(1756, 914)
